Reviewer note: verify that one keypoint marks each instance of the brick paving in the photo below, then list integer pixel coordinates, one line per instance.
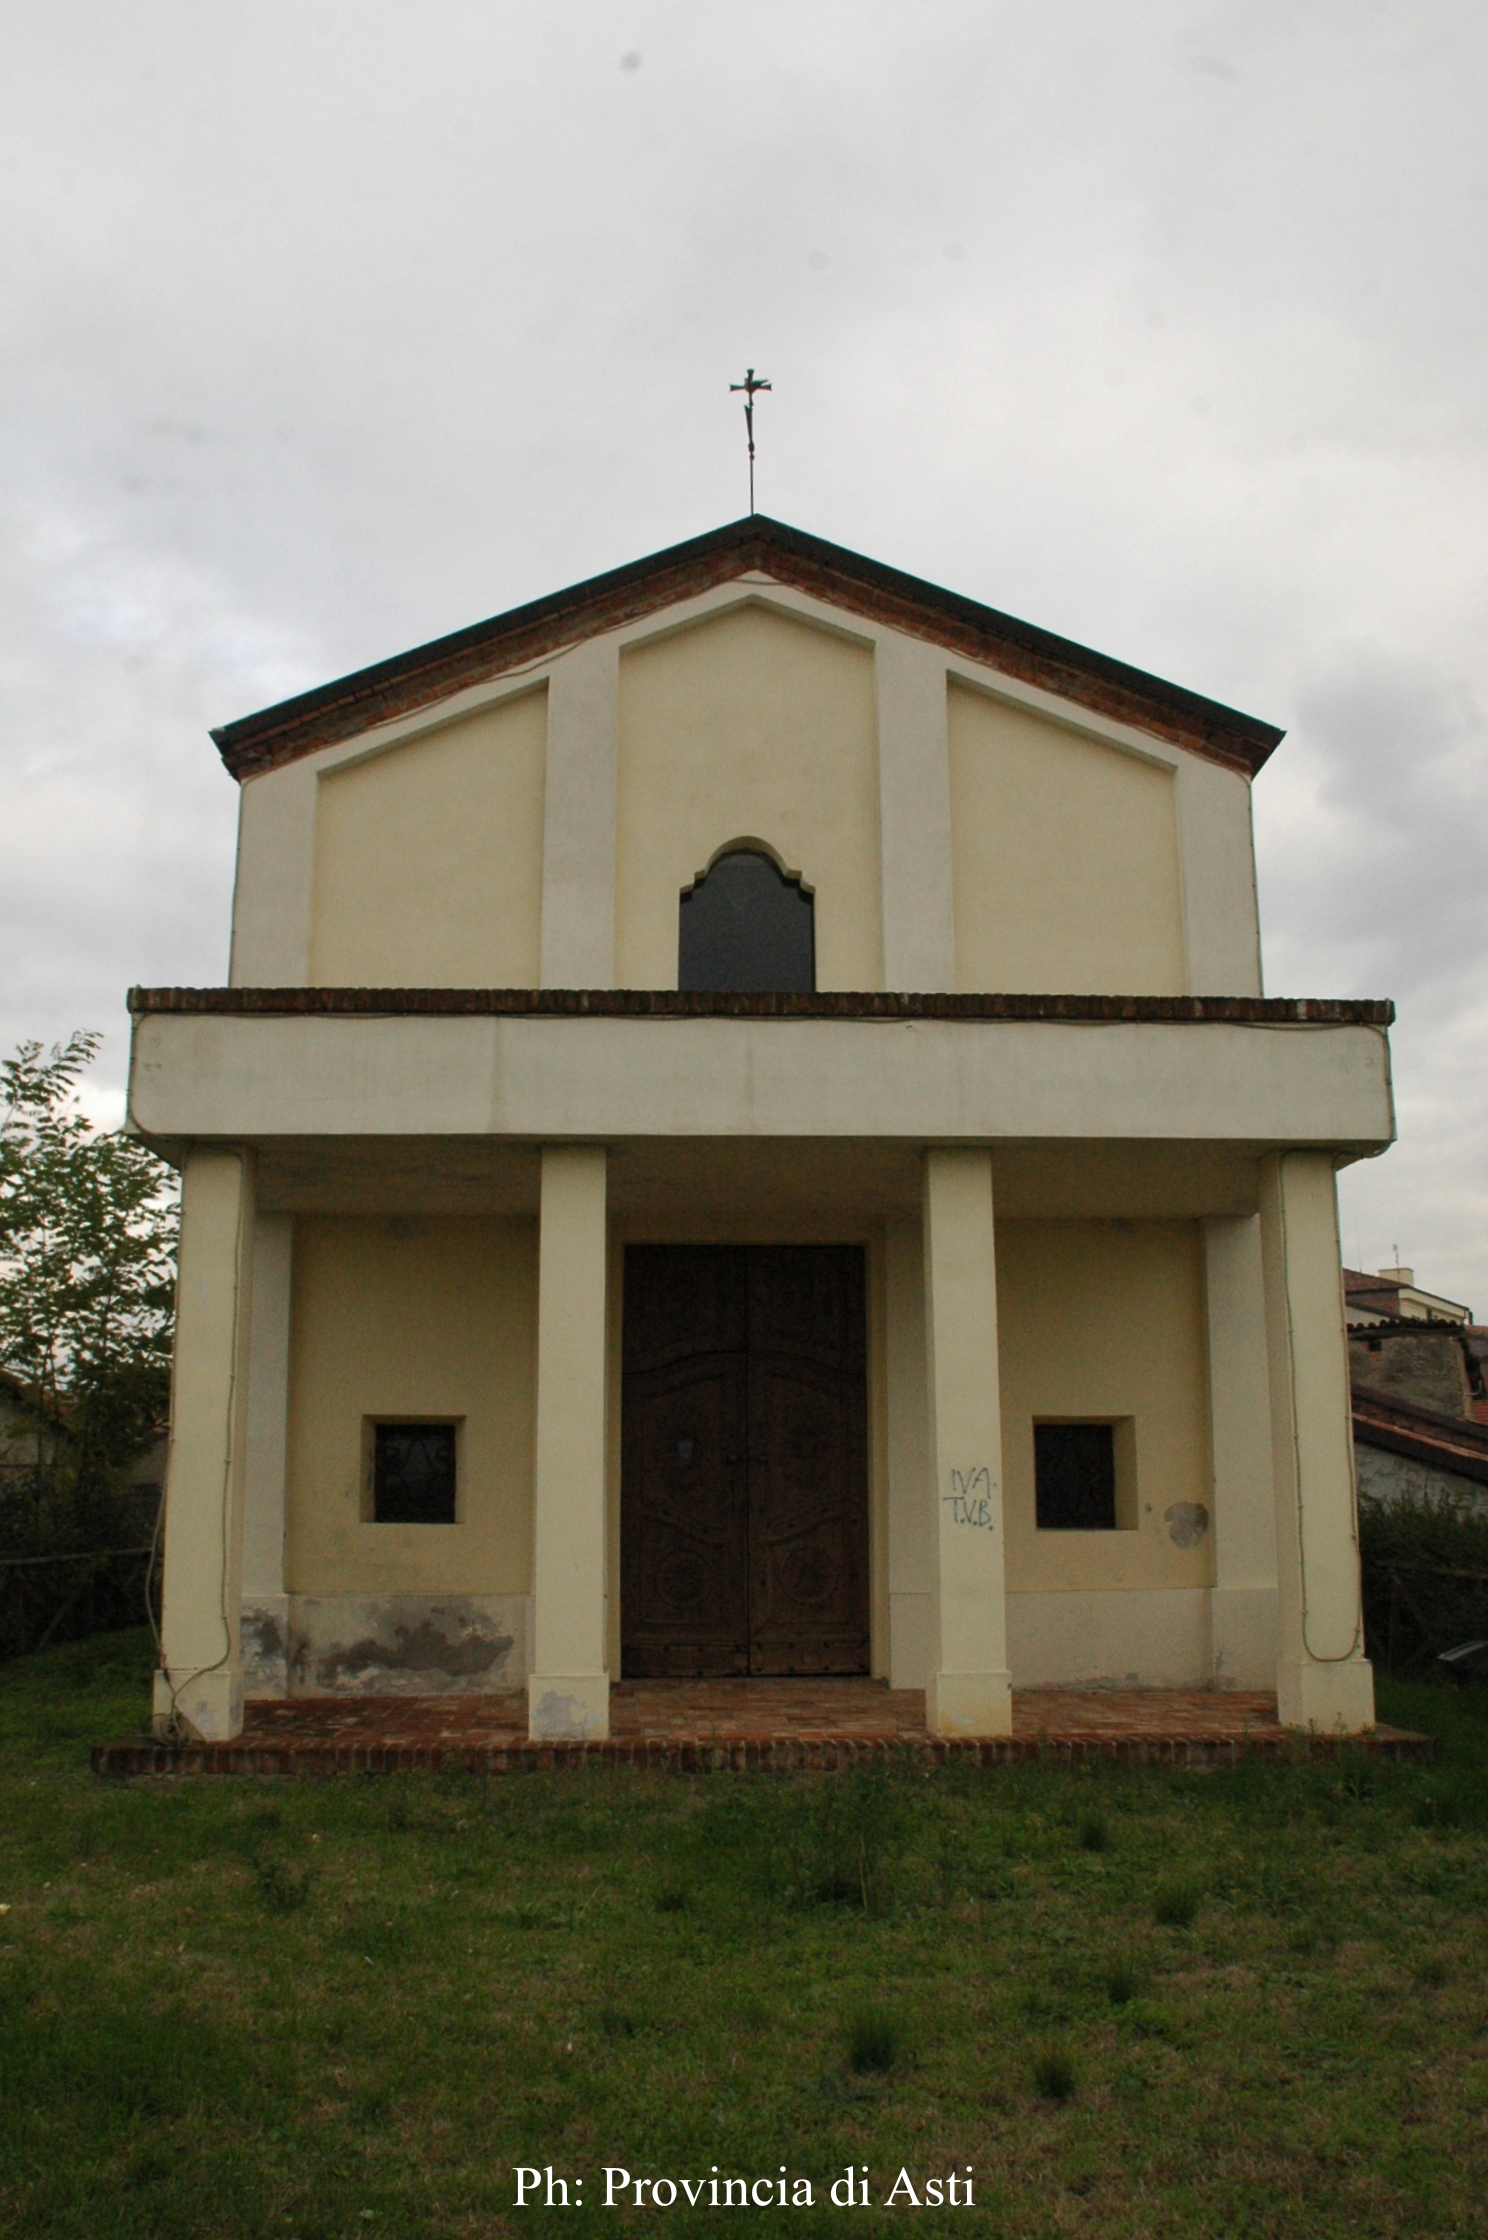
(701, 1725)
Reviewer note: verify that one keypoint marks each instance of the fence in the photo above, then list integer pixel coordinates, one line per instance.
(1425, 1577)
(44, 1599)
(1425, 1580)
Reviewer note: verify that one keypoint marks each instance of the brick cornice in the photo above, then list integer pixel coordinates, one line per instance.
(673, 1003)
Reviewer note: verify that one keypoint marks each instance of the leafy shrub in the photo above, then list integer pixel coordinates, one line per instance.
(87, 1239)
(1094, 1834)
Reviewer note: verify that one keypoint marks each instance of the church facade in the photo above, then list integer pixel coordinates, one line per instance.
(744, 1137)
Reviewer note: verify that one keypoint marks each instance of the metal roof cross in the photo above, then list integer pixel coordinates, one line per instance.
(751, 387)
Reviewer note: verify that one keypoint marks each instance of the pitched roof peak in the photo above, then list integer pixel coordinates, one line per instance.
(756, 543)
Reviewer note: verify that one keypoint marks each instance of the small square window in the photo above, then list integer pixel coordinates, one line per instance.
(1075, 1476)
(413, 1473)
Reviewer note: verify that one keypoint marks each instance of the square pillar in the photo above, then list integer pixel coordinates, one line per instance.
(1323, 1680)
(568, 1689)
(199, 1687)
(970, 1687)
(1243, 1599)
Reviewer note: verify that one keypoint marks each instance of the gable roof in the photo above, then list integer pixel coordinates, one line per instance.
(844, 579)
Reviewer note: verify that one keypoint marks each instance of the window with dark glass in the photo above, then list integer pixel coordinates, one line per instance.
(745, 925)
(413, 1473)
(1075, 1476)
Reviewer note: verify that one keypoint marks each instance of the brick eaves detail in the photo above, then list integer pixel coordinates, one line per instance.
(844, 580)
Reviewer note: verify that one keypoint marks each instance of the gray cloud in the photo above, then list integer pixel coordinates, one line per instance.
(326, 330)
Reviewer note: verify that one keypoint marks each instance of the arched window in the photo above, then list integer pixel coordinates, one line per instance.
(744, 924)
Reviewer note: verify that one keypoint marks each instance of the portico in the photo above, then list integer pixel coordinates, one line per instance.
(924, 1208)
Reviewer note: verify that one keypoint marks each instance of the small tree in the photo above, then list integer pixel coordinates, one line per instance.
(87, 1249)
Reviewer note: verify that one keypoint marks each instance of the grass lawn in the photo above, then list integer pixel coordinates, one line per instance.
(1249, 2002)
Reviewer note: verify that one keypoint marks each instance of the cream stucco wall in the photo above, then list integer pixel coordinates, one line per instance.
(1105, 1319)
(837, 732)
(429, 858)
(412, 1317)
(1065, 855)
(751, 725)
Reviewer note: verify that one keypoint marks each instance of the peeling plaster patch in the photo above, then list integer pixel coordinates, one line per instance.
(265, 1637)
(421, 1652)
(1187, 1523)
(402, 1645)
(265, 1633)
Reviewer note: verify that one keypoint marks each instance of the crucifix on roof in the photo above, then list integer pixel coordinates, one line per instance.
(751, 385)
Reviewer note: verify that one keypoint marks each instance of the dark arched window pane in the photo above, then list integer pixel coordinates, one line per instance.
(745, 925)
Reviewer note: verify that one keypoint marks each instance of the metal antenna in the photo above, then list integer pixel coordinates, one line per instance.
(751, 388)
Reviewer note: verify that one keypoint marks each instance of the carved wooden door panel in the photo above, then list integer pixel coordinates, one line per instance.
(684, 1546)
(744, 1510)
(808, 1460)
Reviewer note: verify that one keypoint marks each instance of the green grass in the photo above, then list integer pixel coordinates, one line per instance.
(230, 2010)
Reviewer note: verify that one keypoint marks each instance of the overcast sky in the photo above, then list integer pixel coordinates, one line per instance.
(333, 325)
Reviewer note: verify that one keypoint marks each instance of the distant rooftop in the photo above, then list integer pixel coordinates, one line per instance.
(1393, 1295)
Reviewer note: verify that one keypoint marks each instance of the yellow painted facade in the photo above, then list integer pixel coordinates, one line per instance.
(1065, 855)
(754, 726)
(428, 858)
(426, 1319)
(419, 1212)
(1104, 1321)
(436, 1319)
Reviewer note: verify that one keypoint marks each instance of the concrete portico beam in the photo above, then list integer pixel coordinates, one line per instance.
(1323, 1680)
(200, 1684)
(568, 1689)
(547, 1079)
(970, 1687)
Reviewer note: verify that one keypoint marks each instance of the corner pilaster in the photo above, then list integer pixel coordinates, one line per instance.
(265, 1607)
(1242, 1601)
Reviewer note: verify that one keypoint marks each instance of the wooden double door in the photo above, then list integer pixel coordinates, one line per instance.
(744, 1503)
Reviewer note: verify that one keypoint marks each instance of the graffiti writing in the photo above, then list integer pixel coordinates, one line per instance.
(970, 1500)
